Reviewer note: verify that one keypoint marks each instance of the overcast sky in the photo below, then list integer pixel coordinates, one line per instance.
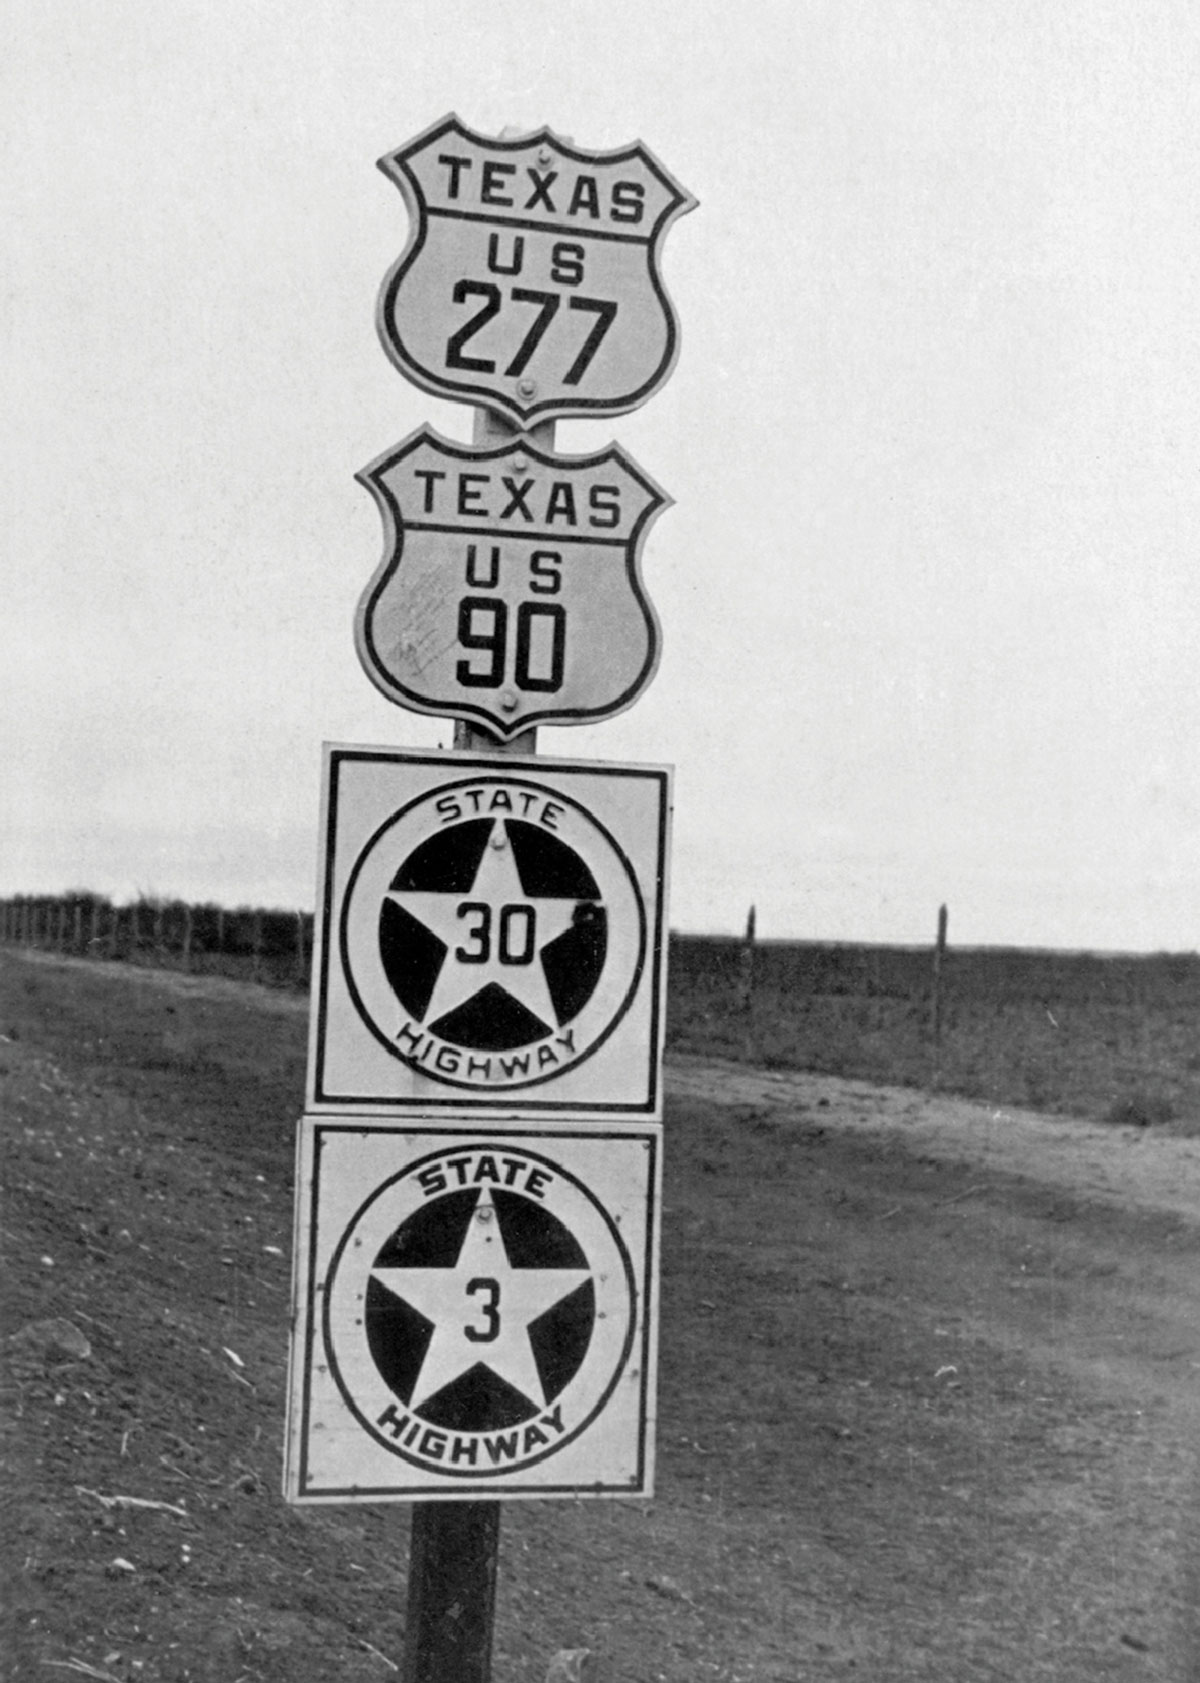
(929, 588)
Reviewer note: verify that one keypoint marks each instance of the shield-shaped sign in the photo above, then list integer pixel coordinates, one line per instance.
(530, 283)
(509, 593)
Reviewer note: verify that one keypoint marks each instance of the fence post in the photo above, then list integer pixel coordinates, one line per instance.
(300, 969)
(745, 983)
(939, 956)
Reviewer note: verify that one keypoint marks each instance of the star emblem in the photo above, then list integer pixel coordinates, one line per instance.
(493, 936)
(481, 1309)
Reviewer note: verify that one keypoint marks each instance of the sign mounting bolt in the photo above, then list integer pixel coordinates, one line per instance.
(508, 701)
(543, 155)
(527, 387)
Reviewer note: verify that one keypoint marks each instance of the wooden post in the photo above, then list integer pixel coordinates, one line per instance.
(301, 974)
(454, 1550)
(939, 956)
(451, 1592)
(745, 983)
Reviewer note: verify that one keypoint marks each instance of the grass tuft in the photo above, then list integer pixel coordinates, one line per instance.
(1141, 1110)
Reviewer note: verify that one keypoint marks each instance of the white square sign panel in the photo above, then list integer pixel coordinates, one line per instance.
(491, 935)
(474, 1312)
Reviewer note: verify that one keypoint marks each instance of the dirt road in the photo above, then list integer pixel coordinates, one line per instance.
(1129, 1167)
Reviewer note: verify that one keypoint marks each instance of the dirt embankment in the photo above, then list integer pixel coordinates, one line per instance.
(927, 1400)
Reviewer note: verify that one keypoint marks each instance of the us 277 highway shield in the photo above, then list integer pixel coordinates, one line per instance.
(530, 283)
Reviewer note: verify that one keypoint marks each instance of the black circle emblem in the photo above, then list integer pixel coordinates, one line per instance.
(493, 933)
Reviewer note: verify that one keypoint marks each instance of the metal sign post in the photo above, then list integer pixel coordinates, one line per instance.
(478, 1188)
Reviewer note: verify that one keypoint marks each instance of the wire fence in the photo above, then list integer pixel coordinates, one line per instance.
(1105, 1035)
(253, 943)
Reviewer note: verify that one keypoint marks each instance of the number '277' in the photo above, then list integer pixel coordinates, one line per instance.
(602, 311)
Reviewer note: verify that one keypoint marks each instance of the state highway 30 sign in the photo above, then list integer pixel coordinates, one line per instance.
(509, 593)
(474, 1315)
(530, 283)
(491, 935)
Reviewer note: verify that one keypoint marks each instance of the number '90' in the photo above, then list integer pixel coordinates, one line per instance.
(539, 646)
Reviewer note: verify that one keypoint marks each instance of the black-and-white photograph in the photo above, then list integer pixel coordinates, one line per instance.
(600, 857)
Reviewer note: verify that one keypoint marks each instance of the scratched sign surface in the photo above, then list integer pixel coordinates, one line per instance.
(509, 593)
(531, 279)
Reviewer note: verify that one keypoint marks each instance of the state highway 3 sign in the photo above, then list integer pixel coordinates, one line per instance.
(491, 935)
(474, 1315)
(509, 593)
(530, 283)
